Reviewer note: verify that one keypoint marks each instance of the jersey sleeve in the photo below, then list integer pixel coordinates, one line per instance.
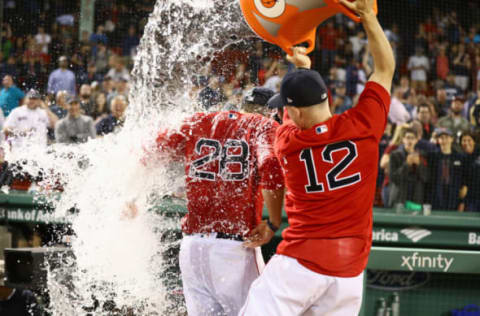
(371, 112)
(171, 142)
(270, 171)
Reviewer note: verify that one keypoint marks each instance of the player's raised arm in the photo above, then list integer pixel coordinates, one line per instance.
(384, 61)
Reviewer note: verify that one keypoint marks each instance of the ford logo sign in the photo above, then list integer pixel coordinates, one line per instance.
(396, 280)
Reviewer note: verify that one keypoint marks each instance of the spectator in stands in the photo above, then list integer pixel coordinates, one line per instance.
(43, 40)
(462, 67)
(10, 95)
(473, 36)
(59, 108)
(76, 127)
(101, 57)
(107, 85)
(62, 78)
(341, 101)
(442, 63)
(441, 102)
(408, 171)
(114, 120)
(424, 115)
(27, 125)
(86, 103)
(99, 36)
(419, 65)
(121, 88)
(398, 113)
(393, 34)
(472, 167)
(395, 142)
(273, 82)
(475, 117)
(118, 71)
(451, 87)
(92, 74)
(358, 42)
(327, 36)
(455, 121)
(10, 68)
(471, 151)
(447, 178)
(471, 103)
(130, 42)
(101, 108)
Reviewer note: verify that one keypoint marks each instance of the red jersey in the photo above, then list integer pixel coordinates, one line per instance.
(228, 157)
(330, 174)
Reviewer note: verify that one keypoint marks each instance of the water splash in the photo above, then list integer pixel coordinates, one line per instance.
(119, 263)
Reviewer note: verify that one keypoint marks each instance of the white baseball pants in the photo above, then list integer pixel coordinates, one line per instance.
(217, 274)
(286, 288)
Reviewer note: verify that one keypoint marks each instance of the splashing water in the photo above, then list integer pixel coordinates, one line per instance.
(120, 261)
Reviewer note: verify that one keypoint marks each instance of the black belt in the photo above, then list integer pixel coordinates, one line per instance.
(223, 236)
(230, 236)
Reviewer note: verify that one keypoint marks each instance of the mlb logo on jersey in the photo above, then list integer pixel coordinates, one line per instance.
(321, 129)
(232, 116)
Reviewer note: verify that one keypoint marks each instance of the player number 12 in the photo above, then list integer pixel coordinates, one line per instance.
(333, 181)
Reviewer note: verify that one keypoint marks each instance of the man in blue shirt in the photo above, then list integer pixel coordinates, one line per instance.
(10, 95)
(62, 78)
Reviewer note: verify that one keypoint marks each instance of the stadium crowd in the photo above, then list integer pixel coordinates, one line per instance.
(78, 87)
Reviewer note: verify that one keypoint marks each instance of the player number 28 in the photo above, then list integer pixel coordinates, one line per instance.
(334, 182)
(226, 157)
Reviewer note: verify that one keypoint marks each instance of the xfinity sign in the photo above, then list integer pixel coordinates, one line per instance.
(425, 261)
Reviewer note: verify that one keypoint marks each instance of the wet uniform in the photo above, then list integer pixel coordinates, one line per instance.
(228, 158)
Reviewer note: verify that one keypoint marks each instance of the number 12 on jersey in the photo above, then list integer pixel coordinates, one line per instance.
(334, 182)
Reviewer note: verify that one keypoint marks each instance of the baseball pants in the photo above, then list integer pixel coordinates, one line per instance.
(217, 274)
(286, 288)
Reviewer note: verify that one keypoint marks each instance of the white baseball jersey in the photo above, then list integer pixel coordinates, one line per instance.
(28, 127)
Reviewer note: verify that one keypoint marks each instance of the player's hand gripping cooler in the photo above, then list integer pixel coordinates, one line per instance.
(287, 23)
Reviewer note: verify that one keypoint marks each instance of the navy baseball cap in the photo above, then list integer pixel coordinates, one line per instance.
(302, 88)
(259, 96)
(275, 102)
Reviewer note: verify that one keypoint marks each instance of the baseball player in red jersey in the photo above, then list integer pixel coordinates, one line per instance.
(229, 166)
(330, 166)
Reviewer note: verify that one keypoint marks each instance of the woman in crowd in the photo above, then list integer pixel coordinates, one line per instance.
(472, 166)
(101, 109)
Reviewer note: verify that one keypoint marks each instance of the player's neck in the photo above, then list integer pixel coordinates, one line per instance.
(317, 117)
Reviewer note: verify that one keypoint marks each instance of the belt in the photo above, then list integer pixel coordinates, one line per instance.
(229, 236)
(219, 236)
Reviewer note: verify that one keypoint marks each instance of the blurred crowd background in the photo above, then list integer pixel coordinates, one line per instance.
(64, 85)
